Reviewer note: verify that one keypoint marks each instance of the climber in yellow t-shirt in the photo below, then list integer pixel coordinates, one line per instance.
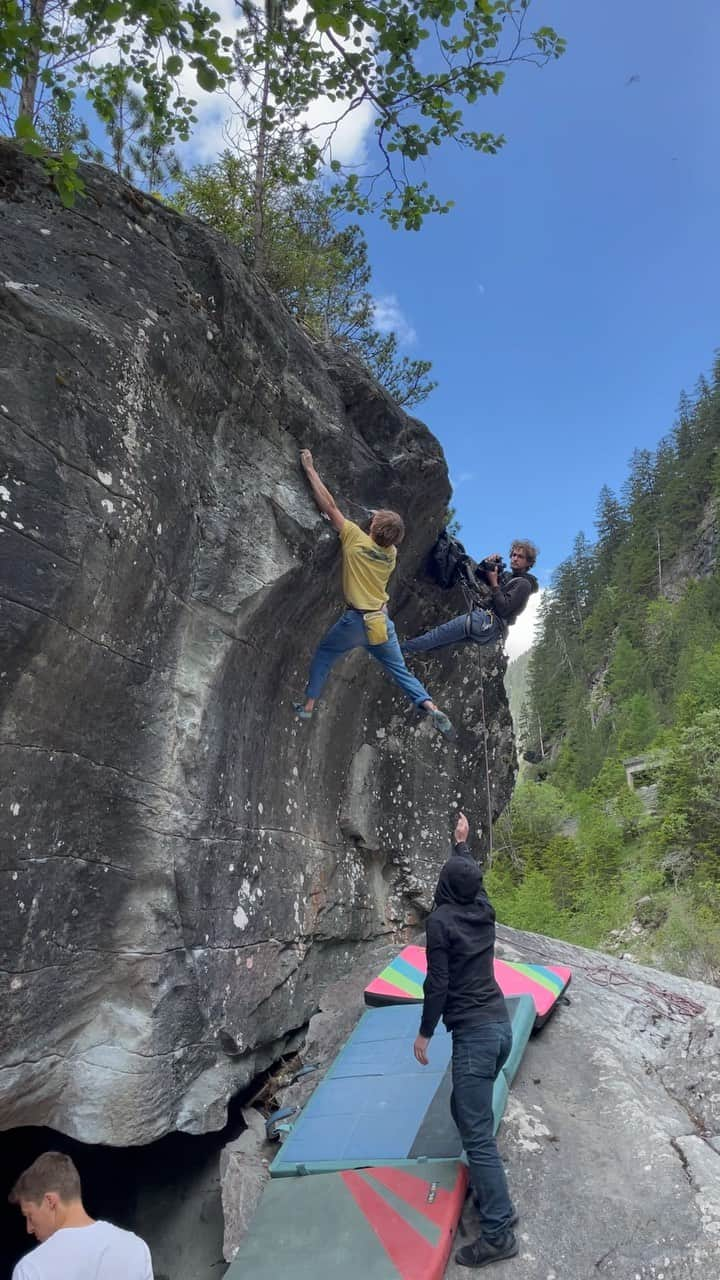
(368, 561)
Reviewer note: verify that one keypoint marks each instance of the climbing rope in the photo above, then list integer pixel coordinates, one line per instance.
(470, 604)
(676, 1008)
(657, 999)
(487, 765)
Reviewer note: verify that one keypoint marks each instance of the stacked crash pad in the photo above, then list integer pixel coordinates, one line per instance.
(387, 1180)
(377, 1105)
(401, 982)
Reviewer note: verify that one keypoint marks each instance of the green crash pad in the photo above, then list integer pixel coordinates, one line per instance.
(369, 1224)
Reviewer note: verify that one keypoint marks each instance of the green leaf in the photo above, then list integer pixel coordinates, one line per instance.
(24, 128)
(207, 77)
(174, 65)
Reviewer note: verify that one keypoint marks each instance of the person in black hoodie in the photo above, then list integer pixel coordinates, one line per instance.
(510, 594)
(460, 987)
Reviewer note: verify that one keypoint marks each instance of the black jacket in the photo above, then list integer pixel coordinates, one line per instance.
(460, 985)
(512, 594)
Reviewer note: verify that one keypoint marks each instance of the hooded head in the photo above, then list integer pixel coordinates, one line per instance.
(459, 881)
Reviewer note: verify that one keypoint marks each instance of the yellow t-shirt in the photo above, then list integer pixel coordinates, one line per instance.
(366, 568)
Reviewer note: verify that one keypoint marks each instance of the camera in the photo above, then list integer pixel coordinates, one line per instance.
(493, 564)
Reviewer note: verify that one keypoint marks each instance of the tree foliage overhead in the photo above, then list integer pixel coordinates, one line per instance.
(315, 263)
(51, 51)
(418, 68)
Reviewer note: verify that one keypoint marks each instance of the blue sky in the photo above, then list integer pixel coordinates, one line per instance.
(573, 291)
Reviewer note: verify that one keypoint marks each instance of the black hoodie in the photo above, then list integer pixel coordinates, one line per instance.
(460, 985)
(512, 594)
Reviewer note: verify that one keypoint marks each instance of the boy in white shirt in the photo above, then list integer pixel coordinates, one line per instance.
(72, 1245)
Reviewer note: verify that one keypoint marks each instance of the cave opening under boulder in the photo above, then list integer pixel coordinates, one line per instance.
(169, 1191)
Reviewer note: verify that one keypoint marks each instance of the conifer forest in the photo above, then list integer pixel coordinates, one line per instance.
(613, 834)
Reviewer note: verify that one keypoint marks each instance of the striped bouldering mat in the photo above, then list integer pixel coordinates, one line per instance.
(401, 982)
(378, 1106)
(544, 983)
(382, 1223)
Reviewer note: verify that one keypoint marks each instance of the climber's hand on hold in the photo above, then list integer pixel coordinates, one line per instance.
(322, 495)
(462, 829)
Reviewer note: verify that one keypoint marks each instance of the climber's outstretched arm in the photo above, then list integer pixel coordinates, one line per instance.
(320, 492)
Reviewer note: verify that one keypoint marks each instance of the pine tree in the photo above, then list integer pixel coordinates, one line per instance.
(61, 129)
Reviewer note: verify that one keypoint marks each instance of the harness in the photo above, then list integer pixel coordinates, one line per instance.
(475, 596)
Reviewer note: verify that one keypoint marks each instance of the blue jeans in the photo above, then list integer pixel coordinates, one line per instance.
(483, 627)
(349, 633)
(478, 1055)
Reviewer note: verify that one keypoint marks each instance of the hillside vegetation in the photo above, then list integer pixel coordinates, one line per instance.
(627, 664)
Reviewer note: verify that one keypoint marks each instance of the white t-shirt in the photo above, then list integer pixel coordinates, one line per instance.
(98, 1252)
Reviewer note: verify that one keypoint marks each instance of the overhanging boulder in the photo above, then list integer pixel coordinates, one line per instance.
(184, 865)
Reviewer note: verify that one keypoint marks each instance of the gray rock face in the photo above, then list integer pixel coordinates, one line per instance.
(698, 561)
(243, 1172)
(184, 866)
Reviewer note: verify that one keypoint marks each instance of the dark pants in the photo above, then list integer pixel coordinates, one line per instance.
(478, 627)
(478, 1055)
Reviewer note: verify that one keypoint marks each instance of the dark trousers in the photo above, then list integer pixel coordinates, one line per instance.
(478, 1055)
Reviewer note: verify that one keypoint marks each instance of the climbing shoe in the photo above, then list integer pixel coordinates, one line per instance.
(482, 1252)
(300, 712)
(442, 723)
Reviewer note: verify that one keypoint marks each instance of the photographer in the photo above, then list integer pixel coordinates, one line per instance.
(509, 594)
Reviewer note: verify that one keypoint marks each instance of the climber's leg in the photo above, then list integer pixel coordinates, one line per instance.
(452, 632)
(348, 633)
(390, 658)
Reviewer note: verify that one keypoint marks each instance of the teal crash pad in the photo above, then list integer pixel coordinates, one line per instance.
(377, 1105)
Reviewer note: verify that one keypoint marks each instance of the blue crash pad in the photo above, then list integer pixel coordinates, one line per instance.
(377, 1105)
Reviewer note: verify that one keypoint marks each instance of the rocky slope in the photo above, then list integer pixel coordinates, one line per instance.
(184, 866)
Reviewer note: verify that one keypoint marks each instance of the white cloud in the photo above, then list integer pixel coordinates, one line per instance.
(522, 632)
(465, 477)
(349, 137)
(215, 111)
(480, 288)
(388, 317)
